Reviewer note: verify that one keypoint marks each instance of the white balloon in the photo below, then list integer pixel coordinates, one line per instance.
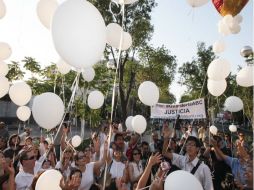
(218, 69)
(50, 179)
(4, 69)
(216, 88)
(148, 93)
(48, 110)
(95, 99)
(127, 41)
(88, 74)
(114, 32)
(235, 27)
(238, 18)
(245, 76)
(23, 113)
(219, 46)
(174, 181)
(232, 128)
(63, 67)
(5, 85)
(139, 124)
(228, 19)
(223, 28)
(125, 1)
(128, 123)
(233, 104)
(79, 33)
(2, 9)
(20, 93)
(45, 11)
(213, 129)
(5, 51)
(76, 141)
(197, 3)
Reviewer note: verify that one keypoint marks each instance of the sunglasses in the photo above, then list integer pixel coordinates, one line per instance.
(136, 153)
(31, 158)
(81, 157)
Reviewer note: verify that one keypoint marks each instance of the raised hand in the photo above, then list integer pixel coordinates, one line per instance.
(155, 159)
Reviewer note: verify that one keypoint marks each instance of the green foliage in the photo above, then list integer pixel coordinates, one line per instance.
(15, 73)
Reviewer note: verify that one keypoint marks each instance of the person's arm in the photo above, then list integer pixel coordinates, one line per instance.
(219, 154)
(154, 159)
(11, 180)
(131, 173)
(99, 164)
(63, 138)
(166, 136)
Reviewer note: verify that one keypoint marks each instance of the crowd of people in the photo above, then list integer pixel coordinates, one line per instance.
(128, 161)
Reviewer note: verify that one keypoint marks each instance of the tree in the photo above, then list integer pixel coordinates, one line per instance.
(15, 73)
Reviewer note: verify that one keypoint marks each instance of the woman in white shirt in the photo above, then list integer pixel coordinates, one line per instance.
(135, 167)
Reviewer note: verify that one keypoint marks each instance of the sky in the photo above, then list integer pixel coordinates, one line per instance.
(177, 26)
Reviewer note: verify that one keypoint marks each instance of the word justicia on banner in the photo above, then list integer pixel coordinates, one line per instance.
(194, 109)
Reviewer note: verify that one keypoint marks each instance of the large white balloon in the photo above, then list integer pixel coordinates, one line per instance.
(79, 33)
(95, 99)
(2, 9)
(238, 18)
(218, 69)
(175, 181)
(88, 74)
(197, 3)
(114, 32)
(139, 124)
(48, 110)
(46, 10)
(50, 179)
(63, 67)
(4, 69)
(148, 93)
(233, 104)
(76, 141)
(216, 88)
(125, 1)
(223, 28)
(213, 129)
(5, 51)
(233, 128)
(245, 76)
(219, 46)
(23, 113)
(5, 85)
(20, 93)
(128, 123)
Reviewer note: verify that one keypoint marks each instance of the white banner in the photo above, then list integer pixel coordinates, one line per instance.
(194, 109)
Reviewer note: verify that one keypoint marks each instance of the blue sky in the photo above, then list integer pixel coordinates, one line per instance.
(176, 25)
(179, 27)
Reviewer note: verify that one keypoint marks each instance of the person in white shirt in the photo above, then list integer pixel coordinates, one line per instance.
(190, 132)
(190, 161)
(25, 177)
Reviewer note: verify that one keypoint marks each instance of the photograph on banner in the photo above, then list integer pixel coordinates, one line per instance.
(194, 109)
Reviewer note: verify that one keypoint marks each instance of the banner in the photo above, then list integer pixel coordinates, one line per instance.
(194, 109)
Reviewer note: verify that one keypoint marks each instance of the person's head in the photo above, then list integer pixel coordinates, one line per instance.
(67, 154)
(134, 139)
(46, 164)
(2, 143)
(227, 137)
(28, 141)
(145, 147)
(136, 155)
(220, 141)
(192, 146)
(2, 125)
(27, 159)
(155, 136)
(14, 140)
(241, 136)
(119, 140)
(172, 142)
(46, 144)
(117, 153)
(190, 127)
(77, 175)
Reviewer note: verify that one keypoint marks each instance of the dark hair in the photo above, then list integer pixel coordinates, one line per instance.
(74, 170)
(144, 143)
(116, 136)
(10, 140)
(23, 156)
(194, 139)
(35, 179)
(135, 149)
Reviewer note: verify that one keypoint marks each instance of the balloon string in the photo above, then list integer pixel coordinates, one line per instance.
(55, 83)
(114, 88)
(202, 87)
(75, 84)
(63, 90)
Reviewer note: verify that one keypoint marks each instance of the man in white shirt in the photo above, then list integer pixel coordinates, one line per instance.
(25, 177)
(190, 161)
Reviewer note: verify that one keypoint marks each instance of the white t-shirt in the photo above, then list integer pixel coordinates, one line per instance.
(66, 172)
(117, 169)
(23, 180)
(137, 169)
(87, 177)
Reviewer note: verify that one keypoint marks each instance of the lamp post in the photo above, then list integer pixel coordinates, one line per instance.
(248, 54)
